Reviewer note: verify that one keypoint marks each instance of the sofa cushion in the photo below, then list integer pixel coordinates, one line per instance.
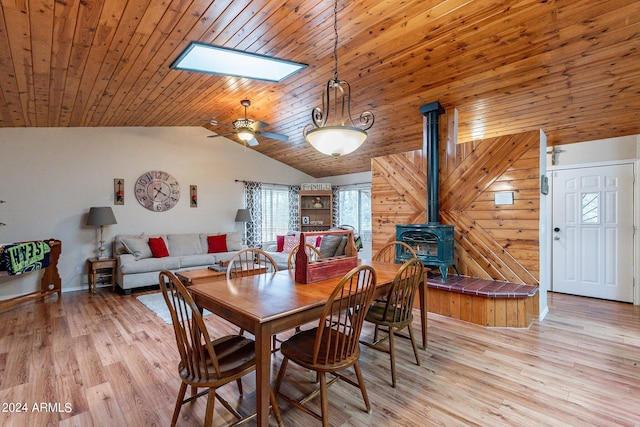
(341, 246)
(150, 264)
(184, 244)
(329, 244)
(197, 260)
(137, 246)
(224, 256)
(279, 243)
(217, 243)
(234, 241)
(158, 247)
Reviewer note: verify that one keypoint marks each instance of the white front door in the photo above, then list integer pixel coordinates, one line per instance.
(593, 232)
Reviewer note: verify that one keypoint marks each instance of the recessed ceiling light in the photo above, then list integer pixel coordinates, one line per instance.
(209, 59)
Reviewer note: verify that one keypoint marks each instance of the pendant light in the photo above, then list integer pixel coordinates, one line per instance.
(333, 131)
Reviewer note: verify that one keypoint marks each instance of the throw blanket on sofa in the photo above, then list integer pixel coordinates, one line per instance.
(19, 258)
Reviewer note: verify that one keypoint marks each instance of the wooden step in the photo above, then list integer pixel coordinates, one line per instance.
(484, 302)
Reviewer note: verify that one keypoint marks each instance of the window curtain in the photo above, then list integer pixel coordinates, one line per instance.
(253, 202)
(294, 207)
(335, 209)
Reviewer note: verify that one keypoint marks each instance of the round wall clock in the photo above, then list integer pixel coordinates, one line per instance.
(157, 191)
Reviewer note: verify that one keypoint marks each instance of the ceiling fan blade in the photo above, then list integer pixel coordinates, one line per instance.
(272, 135)
(252, 142)
(221, 134)
(259, 124)
(217, 123)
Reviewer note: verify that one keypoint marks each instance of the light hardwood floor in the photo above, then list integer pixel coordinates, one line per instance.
(106, 360)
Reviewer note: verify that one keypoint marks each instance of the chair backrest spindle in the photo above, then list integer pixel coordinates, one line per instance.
(338, 334)
(192, 337)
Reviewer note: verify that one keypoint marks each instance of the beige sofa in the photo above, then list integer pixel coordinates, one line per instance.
(137, 267)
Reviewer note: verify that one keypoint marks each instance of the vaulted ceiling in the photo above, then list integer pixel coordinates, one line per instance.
(570, 68)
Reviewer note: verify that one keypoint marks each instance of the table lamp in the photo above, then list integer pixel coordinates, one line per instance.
(243, 216)
(99, 217)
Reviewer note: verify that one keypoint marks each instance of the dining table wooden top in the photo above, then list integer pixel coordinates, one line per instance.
(268, 303)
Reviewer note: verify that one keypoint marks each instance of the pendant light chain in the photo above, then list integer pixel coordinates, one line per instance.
(335, 42)
(333, 131)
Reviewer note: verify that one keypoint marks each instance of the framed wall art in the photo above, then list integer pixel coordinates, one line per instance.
(118, 191)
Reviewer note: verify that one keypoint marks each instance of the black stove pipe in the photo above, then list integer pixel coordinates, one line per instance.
(431, 112)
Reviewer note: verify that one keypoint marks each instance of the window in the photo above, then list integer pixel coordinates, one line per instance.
(355, 209)
(275, 211)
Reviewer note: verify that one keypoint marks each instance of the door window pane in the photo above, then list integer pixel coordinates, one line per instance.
(589, 208)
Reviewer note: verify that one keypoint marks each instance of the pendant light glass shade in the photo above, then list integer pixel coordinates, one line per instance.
(336, 141)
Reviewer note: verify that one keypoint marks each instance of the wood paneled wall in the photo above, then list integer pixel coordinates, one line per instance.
(398, 194)
(492, 242)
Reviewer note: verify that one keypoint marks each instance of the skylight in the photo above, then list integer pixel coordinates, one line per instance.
(204, 58)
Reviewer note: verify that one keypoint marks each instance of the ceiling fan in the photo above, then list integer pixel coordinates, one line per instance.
(246, 129)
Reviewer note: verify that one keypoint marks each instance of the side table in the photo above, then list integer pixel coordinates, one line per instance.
(101, 269)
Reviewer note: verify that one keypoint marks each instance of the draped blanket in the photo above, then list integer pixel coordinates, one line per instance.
(19, 258)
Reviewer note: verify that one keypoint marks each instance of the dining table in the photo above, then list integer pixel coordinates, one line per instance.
(268, 303)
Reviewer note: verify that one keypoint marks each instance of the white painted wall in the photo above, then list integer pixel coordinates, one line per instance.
(50, 177)
(602, 150)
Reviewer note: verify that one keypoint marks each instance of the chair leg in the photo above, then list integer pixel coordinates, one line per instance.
(239, 382)
(323, 399)
(176, 411)
(211, 400)
(392, 356)
(413, 343)
(283, 368)
(274, 407)
(363, 390)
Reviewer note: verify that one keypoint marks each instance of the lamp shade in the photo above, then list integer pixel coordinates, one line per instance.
(243, 215)
(101, 216)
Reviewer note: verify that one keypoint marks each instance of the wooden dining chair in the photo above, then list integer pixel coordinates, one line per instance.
(388, 252)
(205, 363)
(334, 345)
(312, 251)
(395, 311)
(250, 261)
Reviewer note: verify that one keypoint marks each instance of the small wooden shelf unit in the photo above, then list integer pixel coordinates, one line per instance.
(319, 218)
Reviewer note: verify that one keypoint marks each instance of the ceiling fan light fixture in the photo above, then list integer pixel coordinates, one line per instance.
(329, 134)
(245, 135)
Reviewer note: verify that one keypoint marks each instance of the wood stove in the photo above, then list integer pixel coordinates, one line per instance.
(432, 242)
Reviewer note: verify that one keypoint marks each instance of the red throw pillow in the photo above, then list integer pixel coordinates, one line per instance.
(217, 243)
(158, 247)
(279, 243)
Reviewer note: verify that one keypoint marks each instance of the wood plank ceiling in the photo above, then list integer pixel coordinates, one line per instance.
(571, 68)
